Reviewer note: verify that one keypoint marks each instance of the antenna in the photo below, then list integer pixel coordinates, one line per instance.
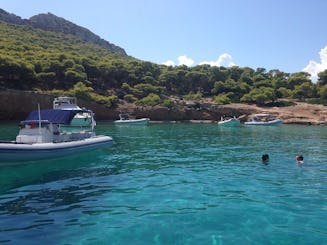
(39, 112)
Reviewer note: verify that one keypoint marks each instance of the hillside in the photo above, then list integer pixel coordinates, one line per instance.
(51, 22)
(59, 61)
(33, 58)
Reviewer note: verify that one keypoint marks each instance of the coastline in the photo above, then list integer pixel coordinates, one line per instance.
(15, 105)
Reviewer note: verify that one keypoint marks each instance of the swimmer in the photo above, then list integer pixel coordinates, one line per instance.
(265, 158)
(299, 159)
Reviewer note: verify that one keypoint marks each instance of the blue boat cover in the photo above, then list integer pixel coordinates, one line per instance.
(54, 116)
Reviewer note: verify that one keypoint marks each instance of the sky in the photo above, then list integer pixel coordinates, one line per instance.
(289, 35)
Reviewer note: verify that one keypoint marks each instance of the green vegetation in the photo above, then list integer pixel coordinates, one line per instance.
(80, 90)
(32, 59)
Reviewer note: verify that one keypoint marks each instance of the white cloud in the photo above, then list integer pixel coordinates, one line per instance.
(169, 63)
(314, 67)
(184, 60)
(225, 60)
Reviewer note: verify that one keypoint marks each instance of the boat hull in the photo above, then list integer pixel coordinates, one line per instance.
(269, 123)
(230, 123)
(141, 121)
(14, 152)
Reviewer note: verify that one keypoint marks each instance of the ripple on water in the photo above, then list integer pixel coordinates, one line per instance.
(174, 184)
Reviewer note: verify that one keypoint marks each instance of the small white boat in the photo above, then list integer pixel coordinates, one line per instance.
(125, 119)
(229, 122)
(81, 119)
(264, 119)
(41, 136)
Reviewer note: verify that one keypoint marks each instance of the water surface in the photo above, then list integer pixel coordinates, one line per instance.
(172, 184)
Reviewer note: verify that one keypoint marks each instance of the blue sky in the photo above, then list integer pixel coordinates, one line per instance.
(289, 35)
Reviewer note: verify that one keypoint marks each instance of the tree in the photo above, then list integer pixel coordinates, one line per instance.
(302, 91)
(259, 96)
(46, 78)
(222, 99)
(247, 76)
(323, 93)
(236, 72)
(322, 78)
(73, 76)
(297, 79)
(283, 92)
(80, 90)
(219, 87)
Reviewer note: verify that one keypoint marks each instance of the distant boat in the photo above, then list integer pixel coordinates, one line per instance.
(264, 119)
(229, 122)
(125, 119)
(81, 119)
(41, 136)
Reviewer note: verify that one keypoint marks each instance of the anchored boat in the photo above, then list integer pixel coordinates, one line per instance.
(229, 122)
(41, 135)
(125, 119)
(81, 119)
(264, 119)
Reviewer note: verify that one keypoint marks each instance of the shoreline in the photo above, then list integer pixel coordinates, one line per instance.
(23, 102)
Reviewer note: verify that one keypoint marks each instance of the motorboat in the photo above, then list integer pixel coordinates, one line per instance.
(81, 119)
(229, 122)
(41, 136)
(126, 119)
(264, 119)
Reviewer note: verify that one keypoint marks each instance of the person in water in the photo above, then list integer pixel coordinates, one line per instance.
(299, 159)
(265, 158)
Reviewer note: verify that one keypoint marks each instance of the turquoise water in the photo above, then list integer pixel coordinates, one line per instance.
(172, 184)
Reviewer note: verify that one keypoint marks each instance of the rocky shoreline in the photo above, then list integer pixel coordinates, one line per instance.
(15, 105)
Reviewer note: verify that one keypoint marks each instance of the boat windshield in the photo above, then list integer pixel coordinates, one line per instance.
(264, 117)
(124, 116)
(64, 101)
(54, 116)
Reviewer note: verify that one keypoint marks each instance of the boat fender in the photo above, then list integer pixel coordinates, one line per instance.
(32, 124)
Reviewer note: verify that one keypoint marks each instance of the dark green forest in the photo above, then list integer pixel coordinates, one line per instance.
(50, 62)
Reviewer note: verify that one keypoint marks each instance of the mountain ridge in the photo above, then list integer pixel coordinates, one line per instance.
(51, 22)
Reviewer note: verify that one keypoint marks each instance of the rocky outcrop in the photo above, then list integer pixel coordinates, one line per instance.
(51, 22)
(15, 105)
(11, 18)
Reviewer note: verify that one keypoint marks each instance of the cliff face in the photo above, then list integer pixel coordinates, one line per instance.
(51, 22)
(16, 105)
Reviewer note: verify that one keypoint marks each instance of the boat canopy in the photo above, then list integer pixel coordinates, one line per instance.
(53, 116)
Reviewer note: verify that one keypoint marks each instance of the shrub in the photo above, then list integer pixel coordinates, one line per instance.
(192, 96)
(150, 100)
(168, 103)
(59, 92)
(130, 98)
(222, 99)
(109, 101)
(80, 90)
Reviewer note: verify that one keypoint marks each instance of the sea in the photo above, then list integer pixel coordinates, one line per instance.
(172, 183)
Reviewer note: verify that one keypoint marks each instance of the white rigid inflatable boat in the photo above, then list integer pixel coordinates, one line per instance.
(264, 119)
(229, 122)
(40, 137)
(125, 119)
